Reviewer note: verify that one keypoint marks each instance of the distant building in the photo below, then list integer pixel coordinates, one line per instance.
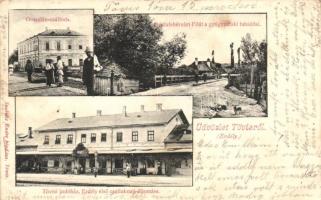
(51, 43)
(208, 67)
(152, 142)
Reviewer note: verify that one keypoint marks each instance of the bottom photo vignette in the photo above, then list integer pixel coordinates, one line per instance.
(103, 141)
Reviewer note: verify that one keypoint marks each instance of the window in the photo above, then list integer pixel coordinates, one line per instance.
(81, 62)
(150, 135)
(80, 46)
(135, 136)
(46, 140)
(58, 45)
(93, 138)
(56, 163)
(119, 136)
(47, 46)
(58, 138)
(83, 138)
(69, 62)
(69, 46)
(103, 137)
(69, 139)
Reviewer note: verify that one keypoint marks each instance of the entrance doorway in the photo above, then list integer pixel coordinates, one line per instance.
(118, 166)
(82, 165)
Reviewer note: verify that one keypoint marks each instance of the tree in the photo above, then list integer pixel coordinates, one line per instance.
(131, 41)
(255, 54)
(250, 49)
(172, 52)
(13, 57)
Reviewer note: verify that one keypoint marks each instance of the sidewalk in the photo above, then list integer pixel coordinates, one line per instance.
(105, 180)
(19, 86)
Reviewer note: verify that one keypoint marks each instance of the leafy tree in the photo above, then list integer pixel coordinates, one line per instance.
(254, 53)
(133, 42)
(250, 49)
(129, 40)
(13, 57)
(172, 52)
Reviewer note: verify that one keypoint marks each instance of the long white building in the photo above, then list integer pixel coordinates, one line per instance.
(152, 142)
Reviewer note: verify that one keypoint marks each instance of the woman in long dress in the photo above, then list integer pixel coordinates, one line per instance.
(60, 72)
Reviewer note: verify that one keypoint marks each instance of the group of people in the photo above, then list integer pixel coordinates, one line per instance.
(51, 71)
(90, 66)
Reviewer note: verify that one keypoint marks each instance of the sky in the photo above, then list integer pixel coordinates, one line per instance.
(37, 111)
(22, 27)
(206, 33)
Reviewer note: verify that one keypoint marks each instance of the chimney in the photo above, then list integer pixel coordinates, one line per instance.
(98, 112)
(124, 111)
(142, 108)
(30, 132)
(159, 107)
(73, 115)
(196, 61)
(208, 62)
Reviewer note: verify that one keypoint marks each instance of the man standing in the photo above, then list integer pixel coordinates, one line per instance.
(90, 64)
(29, 69)
(128, 170)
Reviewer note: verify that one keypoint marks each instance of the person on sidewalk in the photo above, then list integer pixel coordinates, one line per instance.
(128, 170)
(91, 65)
(29, 69)
(49, 70)
(95, 172)
(60, 72)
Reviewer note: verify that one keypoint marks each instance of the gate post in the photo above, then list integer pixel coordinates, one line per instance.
(112, 83)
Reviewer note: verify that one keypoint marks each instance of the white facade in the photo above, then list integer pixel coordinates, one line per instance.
(39, 48)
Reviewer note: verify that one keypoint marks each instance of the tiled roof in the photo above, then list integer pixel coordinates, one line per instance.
(202, 66)
(24, 140)
(117, 120)
(59, 32)
(108, 66)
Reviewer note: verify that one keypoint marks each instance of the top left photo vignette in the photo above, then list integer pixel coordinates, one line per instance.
(47, 51)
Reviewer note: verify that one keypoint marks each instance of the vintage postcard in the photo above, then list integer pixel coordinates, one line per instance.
(156, 99)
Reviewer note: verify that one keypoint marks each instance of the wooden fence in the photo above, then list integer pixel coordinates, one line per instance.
(161, 80)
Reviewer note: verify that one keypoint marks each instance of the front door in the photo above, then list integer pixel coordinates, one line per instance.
(118, 166)
(82, 165)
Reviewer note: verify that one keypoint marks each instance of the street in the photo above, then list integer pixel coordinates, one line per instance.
(28, 179)
(208, 95)
(19, 86)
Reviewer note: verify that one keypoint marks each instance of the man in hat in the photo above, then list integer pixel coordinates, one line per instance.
(91, 64)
